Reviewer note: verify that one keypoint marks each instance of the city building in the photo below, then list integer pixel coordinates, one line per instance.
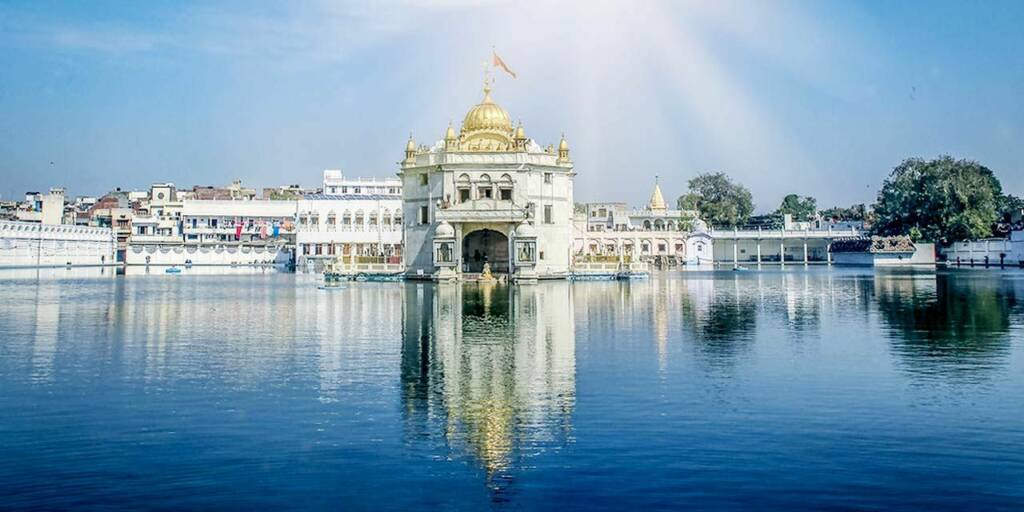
(219, 222)
(161, 222)
(360, 221)
(288, 192)
(487, 197)
(43, 208)
(609, 232)
(235, 191)
(336, 183)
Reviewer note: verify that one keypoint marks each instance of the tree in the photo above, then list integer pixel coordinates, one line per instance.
(1010, 209)
(802, 209)
(942, 200)
(854, 212)
(718, 200)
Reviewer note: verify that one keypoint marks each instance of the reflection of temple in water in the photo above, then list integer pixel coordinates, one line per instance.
(490, 366)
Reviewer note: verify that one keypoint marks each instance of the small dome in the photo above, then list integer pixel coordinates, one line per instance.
(526, 230)
(411, 145)
(450, 133)
(563, 145)
(444, 230)
(520, 132)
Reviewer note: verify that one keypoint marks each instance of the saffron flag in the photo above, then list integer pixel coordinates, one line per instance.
(498, 63)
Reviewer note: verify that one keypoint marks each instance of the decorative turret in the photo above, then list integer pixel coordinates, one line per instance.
(450, 141)
(563, 150)
(520, 136)
(410, 150)
(657, 202)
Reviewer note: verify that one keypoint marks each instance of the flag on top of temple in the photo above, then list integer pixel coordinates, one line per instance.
(498, 63)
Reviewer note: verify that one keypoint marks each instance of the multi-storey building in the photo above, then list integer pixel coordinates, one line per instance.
(360, 220)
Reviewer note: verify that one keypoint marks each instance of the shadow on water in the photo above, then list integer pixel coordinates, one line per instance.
(948, 325)
(491, 370)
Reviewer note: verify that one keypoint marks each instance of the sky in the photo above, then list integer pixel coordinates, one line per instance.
(817, 98)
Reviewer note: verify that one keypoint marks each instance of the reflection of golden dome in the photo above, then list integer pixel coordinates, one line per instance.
(487, 115)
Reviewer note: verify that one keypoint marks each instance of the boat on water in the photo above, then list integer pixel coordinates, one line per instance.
(172, 270)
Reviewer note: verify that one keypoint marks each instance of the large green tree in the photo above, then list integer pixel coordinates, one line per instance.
(718, 200)
(800, 208)
(942, 200)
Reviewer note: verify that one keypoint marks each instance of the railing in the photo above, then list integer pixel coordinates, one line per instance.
(726, 234)
(598, 258)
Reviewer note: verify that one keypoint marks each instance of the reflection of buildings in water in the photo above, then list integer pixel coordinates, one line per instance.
(348, 324)
(947, 325)
(209, 327)
(46, 329)
(804, 294)
(43, 306)
(492, 366)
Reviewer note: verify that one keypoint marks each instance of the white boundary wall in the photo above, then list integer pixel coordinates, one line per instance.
(206, 255)
(1011, 250)
(29, 244)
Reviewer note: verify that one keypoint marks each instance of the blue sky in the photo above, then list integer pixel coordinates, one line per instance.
(816, 98)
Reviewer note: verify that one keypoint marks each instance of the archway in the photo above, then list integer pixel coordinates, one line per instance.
(485, 246)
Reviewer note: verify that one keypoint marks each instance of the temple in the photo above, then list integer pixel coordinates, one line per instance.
(487, 199)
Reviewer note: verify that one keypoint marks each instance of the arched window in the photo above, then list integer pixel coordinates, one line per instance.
(505, 187)
(464, 187)
(485, 187)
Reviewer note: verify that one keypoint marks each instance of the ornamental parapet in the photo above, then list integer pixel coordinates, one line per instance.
(67, 232)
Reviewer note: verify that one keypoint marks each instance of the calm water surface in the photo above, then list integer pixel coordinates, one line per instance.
(796, 389)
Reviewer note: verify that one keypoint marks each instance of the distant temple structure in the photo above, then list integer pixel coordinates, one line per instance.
(487, 196)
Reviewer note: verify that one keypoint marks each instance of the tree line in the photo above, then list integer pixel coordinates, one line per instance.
(943, 200)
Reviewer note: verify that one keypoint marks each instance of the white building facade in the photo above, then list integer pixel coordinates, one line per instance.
(610, 233)
(487, 196)
(222, 232)
(355, 226)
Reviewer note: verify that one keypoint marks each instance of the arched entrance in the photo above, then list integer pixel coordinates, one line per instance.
(485, 246)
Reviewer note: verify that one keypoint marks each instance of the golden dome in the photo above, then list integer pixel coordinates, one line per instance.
(411, 145)
(487, 115)
(563, 145)
(520, 132)
(449, 134)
